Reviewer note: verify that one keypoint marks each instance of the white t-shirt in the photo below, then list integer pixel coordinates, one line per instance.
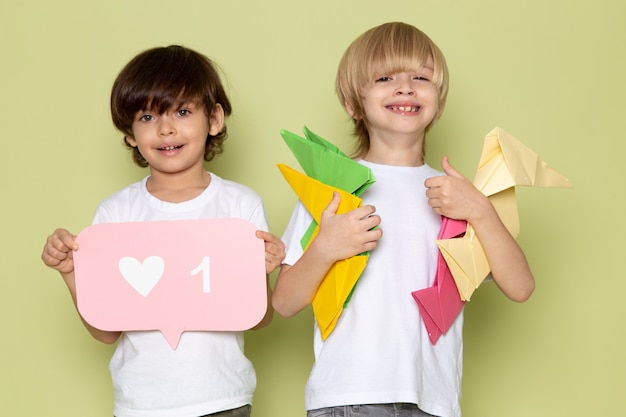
(208, 372)
(379, 351)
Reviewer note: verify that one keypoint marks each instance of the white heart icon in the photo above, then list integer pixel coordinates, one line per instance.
(142, 276)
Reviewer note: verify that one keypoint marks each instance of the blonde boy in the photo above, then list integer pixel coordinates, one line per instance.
(379, 361)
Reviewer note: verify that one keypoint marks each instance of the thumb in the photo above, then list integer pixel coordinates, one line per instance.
(332, 207)
(449, 170)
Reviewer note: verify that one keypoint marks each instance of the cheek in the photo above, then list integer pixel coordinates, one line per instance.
(433, 98)
(140, 131)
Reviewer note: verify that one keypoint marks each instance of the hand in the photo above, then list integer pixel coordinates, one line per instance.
(454, 196)
(58, 251)
(342, 236)
(274, 250)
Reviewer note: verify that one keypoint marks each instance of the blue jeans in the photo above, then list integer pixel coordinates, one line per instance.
(235, 412)
(370, 410)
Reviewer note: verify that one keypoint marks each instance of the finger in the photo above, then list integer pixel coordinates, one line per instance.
(364, 211)
(374, 234)
(272, 263)
(70, 242)
(332, 207)
(371, 221)
(49, 260)
(449, 169)
(274, 250)
(55, 248)
(372, 239)
(62, 245)
(63, 240)
(270, 239)
(433, 182)
(274, 246)
(261, 234)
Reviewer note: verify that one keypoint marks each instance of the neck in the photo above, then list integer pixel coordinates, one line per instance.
(396, 152)
(177, 188)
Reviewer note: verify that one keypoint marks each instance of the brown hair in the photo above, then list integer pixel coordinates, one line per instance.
(157, 79)
(390, 47)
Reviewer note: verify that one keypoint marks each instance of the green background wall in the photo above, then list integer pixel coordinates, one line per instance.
(550, 73)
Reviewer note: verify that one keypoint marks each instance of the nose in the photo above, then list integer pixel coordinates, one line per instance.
(405, 90)
(404, 87)
(166, 127)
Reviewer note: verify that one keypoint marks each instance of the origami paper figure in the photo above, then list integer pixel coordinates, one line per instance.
(337, 285)
(324, 162)
(440, 304)
(504, 163)
(328, 170)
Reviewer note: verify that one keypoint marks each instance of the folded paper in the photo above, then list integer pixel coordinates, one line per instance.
(328, 170)
(440, 304)
(316, 195)
(324, 162)
(504, 164)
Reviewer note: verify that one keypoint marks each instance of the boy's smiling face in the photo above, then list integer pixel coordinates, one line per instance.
(401, 103)
(174, 141)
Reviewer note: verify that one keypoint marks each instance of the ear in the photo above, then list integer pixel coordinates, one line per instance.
(353, 114)
(130, 141)
(216, 120)
(349, 109)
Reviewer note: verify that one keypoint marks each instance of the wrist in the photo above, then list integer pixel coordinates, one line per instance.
(321, 253)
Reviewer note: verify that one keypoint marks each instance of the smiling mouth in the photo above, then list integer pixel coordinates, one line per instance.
(405, 109)
(170, 148)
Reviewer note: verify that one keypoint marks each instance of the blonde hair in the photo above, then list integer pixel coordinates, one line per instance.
(390, 47)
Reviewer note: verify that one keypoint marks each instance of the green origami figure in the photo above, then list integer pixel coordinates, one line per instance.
(323, 161)
(327, 168)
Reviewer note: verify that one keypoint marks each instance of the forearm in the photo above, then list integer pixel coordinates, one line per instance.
(509, 267)
(101, 335)
(296, 284)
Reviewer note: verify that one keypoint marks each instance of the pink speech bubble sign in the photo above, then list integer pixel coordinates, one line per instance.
(172, 276)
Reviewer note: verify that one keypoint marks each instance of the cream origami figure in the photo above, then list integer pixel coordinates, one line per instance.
(504, 164)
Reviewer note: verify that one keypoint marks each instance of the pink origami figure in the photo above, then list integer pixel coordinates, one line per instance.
(440, 304)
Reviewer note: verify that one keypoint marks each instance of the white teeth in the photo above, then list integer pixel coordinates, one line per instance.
(405, 108)
(169, 148)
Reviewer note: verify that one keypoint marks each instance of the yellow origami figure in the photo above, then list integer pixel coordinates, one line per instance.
(338, 283)
(504, 164)
(328, 170)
